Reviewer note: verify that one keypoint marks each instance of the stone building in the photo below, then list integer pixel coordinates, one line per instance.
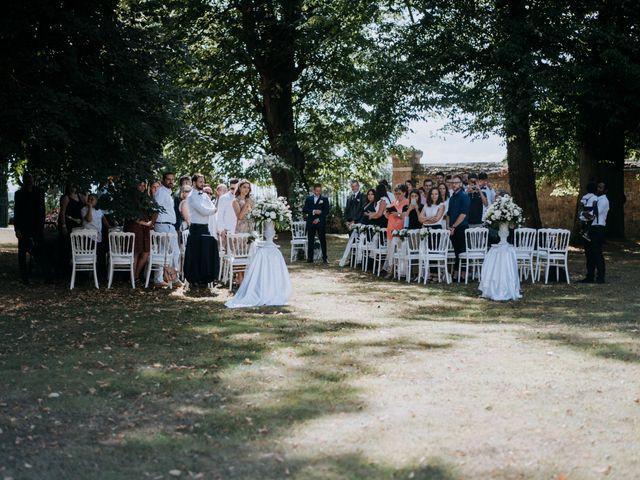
(557, 209)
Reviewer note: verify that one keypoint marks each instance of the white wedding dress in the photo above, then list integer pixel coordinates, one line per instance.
(266, 281)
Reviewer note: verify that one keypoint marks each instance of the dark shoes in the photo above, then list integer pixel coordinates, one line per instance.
(325, 261)
(586, 280)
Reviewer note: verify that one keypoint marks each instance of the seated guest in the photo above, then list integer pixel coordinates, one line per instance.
(377, 217)
(477, 201)
(369, 206)
(432, 214)
(354, 210)
(412, 212)
(93, 218)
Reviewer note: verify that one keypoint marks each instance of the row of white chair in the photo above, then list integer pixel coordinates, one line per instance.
(84, 245)
(535, 250)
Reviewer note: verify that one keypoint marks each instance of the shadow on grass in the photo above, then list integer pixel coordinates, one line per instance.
(626, 352)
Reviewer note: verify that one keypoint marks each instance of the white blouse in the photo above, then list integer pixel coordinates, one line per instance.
(432, 211)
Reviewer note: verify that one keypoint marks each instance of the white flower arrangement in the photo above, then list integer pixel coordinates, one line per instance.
(298, 196)
(402, 233)
(503, 210)
(275, 209)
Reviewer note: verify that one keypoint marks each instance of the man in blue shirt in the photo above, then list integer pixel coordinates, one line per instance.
(458, 218)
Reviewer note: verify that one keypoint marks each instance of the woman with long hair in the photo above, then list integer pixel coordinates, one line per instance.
(369, 206)
(433, 212)
(395, 211)
(413, 210)
(377, 217)
(242, 205)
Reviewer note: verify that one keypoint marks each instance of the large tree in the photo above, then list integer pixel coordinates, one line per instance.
(309, 81)
(81, 96)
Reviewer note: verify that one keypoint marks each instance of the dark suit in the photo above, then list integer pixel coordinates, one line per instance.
(354, 210)
(322, 204)
(29, 216)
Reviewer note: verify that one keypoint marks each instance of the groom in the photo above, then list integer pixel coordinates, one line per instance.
(316, 209)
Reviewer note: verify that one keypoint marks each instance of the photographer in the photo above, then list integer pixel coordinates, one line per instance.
(477, 201)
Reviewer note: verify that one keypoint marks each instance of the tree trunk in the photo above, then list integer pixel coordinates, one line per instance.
(522, 177)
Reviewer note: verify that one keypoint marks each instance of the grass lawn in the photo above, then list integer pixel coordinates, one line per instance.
(358, 378)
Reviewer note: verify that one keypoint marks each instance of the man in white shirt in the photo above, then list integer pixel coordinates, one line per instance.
(166, 221)
(201, 261)
(599, 204)
(226, 218)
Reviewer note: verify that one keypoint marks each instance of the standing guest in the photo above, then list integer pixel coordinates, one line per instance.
(70, 217)
(485, 188)
(394, 214)
(593, 246)
(390, 196)
(140, 223)
(465, 179)
(439, 178)
(410, 184)
(316, 209)
(226, 218)
(166, 221)
(185, 181)
(354, 210)
(377, 217)
(448, 181)
(93, 218)
(201, 262)
(242, 206)
(213, 230)
(458, 218)
(153, 187)
(444, 194)
(432, 214)
(183, 207)
(369, 206)
(477, 201)
(28, 221)
(427, 184)
(413, 210)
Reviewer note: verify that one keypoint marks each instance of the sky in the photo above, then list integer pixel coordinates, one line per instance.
(440, 147)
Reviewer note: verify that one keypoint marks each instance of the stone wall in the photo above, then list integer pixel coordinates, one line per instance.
(555, 211)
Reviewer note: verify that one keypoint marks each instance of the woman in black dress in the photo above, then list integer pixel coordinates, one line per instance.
(370, 206)
(70, 217)
(413, 210)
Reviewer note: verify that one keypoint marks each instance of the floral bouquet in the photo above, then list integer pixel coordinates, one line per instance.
(275, 209)
(373, 228)
(503, 210)
(401, 234)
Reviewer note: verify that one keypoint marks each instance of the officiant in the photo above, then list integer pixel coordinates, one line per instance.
(316, 209)
(201, 261)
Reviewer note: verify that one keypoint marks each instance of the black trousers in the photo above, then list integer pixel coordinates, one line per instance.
(32, 242)
(593, 252)
(201, 259)
(459, 242)
(312, 230)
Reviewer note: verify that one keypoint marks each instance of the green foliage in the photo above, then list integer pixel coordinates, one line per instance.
(82, 97)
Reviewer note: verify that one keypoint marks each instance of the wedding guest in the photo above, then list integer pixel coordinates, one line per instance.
(394, 214)
(369, 207)
(458, 218)
(93, 218)
(477, 201)
(410, 184)
(166, 221)
(439, 178)
(201, 261)
(226, 218)
(444, 194)
(427, 185)
(242, 205)
(185, 181)
(140, 223)
(593, 246)
(448, 182)
(432, 215)
(390, 196)
(153, 188)
(378, 217)
(183, 207)
(489, 193)
(354, 210)
(412, 212)
(316, 209)
(70, 217)
(28, 222)
(465, 178)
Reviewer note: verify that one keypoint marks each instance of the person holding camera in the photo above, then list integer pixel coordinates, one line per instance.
(477, 201)
(594, 210)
